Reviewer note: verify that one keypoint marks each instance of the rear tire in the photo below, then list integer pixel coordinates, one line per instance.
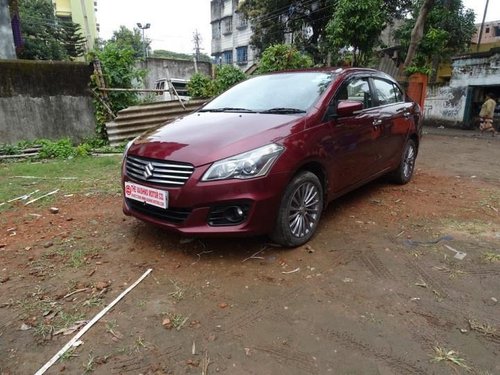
(403, 174)
(300, 210)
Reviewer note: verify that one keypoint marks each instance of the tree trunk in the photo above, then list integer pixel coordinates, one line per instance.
(417, 33)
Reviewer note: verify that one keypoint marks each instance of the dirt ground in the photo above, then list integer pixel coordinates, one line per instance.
(398, 280)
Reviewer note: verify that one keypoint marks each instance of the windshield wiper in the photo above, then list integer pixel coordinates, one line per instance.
(227, 109)
(283, 110)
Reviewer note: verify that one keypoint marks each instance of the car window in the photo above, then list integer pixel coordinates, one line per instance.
(356, 89)
(387, 92)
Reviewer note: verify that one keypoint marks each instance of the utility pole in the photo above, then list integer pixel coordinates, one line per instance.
(197, 43)
(146, 26)
(482, 26)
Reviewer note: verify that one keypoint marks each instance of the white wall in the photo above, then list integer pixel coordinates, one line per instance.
(7, 50)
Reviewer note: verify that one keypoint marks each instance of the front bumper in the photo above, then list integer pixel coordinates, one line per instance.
(190, 205)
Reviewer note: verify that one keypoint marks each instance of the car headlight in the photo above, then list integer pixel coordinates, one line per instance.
(250, 164)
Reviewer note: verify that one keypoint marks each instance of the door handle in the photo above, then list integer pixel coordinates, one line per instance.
(377, 122)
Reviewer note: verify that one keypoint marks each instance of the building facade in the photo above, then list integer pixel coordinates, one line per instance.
(231, 33)
(81, 12)
(458, 103)
(491, 33)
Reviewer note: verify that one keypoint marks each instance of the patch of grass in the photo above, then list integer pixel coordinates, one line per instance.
(177, 320)
(491, 201)
(73, 176)
(139, 345)
(453, 271)
(449, 356)
(67, 319)
(472, 227)
(484, 328)
(34, 304)
(89, 366)
(43, 330)
(111, 325)
(491, 257)
(178, 293)
(94, 301)
(79, 257)
(70, 353)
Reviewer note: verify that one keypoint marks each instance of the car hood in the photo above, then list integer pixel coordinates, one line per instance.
(204, 137)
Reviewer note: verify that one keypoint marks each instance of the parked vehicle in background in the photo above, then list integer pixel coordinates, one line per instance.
(174, 89)
(266, 156)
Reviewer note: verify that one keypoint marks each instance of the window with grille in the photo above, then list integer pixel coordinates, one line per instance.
(242, 55)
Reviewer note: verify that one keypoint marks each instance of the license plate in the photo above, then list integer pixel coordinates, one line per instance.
(144, 194)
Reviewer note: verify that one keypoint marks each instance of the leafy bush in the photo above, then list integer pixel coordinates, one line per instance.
(227, 76)
(61, 149)
(9, 149)
(119, 70)
(412, 69)
(282, 57)
(200, 86)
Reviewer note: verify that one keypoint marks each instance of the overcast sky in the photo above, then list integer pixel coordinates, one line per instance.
(173, 22)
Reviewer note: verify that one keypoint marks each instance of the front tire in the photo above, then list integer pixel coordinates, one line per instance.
(403, 174)
(300, 210)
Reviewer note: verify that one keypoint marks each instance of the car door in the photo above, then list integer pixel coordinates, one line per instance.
(394, 122)
(353, 136)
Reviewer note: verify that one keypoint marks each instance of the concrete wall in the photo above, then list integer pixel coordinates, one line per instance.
(157, 69)
(445, 104)
(44, 100)
(7, 50)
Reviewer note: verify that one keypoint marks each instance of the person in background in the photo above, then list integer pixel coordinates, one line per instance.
(487, 113)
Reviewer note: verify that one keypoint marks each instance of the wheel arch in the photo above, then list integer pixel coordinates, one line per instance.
(415, 138)
(320, 172)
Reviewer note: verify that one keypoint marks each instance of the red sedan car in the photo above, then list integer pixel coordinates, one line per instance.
(266, 156)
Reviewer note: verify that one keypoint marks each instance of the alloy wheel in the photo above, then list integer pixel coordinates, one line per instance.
(304, 209)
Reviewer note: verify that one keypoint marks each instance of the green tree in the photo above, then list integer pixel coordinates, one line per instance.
(448, 30)
(41, 31)
(72, 40)
(118, 63)
(302, 22)
(282, 57)
(124, 37)
(357, 25)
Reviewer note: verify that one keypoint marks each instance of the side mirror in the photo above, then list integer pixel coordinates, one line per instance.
(348, 107)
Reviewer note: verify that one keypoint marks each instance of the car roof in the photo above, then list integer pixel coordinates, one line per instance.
(340, 71)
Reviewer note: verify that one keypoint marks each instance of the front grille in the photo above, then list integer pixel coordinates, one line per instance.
(172, 215)
(158, 171)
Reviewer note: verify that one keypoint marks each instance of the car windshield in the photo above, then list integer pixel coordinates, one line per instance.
(275, 93)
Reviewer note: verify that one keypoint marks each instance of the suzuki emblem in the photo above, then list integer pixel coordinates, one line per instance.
(148, 171)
